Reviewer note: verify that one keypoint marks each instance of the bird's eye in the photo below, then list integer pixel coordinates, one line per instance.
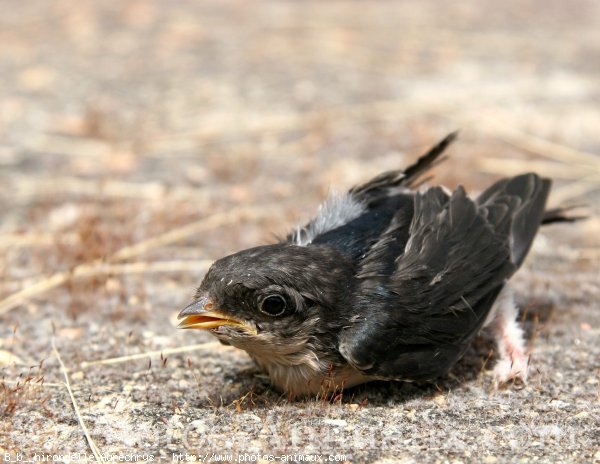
(273, 305)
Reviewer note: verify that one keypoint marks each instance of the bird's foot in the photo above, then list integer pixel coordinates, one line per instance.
(511, 370)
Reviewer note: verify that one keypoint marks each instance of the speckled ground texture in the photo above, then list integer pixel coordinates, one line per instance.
(140, 140)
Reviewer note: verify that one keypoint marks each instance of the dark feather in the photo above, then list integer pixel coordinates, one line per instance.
(525, 198)
(424, 313)
(380, 185)
(556, 215)
(430, 266)
(358, 236)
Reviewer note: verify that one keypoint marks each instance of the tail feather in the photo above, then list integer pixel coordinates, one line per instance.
(379, 185)
(554, 215)
(428, 160)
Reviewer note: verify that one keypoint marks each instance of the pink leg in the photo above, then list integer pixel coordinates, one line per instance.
(513, 359)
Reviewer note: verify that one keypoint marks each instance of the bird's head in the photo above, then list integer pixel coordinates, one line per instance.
(273, 300)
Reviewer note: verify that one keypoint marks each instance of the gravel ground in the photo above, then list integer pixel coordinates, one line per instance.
(140, 140)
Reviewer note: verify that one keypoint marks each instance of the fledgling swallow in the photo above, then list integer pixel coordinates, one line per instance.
(386, 283)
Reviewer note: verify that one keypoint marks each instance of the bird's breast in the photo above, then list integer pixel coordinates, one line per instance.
(311, 377)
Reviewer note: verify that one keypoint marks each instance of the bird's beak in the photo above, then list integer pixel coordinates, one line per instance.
(202, 315)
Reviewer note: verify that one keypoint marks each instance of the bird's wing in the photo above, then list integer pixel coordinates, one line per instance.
(371, 204)
(524, 198)
(416, 321)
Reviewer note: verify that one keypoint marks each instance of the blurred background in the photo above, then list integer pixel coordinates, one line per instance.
(140, 140)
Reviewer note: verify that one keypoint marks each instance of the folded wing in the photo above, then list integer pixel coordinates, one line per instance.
(427, 301)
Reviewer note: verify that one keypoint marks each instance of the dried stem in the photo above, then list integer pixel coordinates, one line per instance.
(93, 447)
(168, 351)
(101, 267)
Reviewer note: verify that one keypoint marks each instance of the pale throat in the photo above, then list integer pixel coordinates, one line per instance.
(296, 368)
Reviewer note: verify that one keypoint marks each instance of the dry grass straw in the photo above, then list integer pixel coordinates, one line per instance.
(548, 149)
(562, 162)
(92, 444)
(109, 266)
(280, 123)
(183, 232)
(147, 354)
(95, 269)
(33, 239)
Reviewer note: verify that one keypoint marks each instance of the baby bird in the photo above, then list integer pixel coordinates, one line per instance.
(386, 283)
